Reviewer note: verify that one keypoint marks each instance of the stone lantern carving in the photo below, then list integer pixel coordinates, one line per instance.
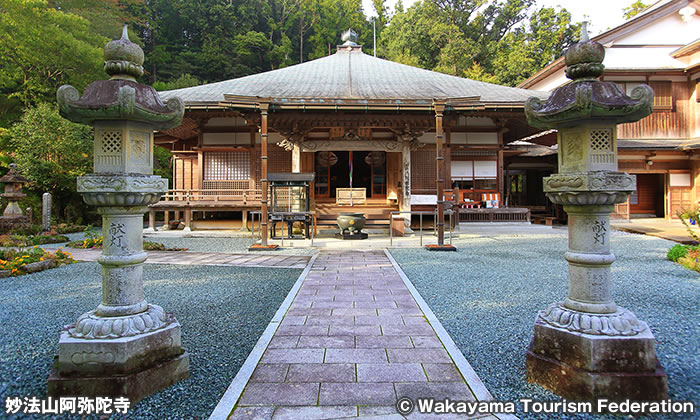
(13, 215)
(126, 346)
(586, 346)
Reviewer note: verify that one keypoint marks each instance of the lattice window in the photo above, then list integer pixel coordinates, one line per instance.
(423, 170)
(601, 140)
(258, 168)
(226, 165)
(278, 159)
(473, 153)
(111, 142)
(663, 95)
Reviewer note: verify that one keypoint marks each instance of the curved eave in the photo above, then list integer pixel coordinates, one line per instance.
(279, 104)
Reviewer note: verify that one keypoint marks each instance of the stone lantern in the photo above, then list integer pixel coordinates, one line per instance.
(13, 192)
(126, 346)
(586, 346)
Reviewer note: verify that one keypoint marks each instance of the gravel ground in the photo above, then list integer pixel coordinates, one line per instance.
(234, 245)
(487, 295)
(222, 311)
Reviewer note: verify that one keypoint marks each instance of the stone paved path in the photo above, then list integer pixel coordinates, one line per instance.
(352, 342)
(207, 258)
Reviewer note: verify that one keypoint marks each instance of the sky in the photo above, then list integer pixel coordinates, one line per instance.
(603, 14)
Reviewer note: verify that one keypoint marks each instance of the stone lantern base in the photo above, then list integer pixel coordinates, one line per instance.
(132, 366)
(583, 366)
(9, 222)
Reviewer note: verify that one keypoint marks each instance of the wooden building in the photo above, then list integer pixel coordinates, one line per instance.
(659, 47)
(400, 129)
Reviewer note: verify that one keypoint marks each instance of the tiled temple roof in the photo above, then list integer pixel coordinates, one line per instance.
(351, 75)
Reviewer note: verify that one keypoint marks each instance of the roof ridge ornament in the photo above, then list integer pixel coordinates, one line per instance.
(349, 37)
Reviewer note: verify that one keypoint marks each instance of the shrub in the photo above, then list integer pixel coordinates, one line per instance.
(690, 217)
(69, 228)
(87, 243)
(676, 252)
(21, 241)
(92, 239)
(48, 239)
(26, 230)
(15, 260)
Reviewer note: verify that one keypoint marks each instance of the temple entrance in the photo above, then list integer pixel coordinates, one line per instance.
(648, 199)
(357, 169)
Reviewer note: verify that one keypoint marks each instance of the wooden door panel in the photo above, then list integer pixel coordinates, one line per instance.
(393, 174)
(680, 200)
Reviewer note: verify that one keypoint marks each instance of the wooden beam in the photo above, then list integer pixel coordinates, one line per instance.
(227, 129)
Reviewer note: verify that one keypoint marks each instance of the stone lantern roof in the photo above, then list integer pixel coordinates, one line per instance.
(586, 98)
(120, 97)
(12, 176)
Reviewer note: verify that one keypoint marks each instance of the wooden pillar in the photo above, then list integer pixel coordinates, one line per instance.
(405, 203)
(188, 220)
(200, 169)
(440, 181)
(499, 169)
(296, 159)
(263, 172)
(244, 220)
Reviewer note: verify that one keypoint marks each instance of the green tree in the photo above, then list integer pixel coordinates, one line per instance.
(634, 9)
(334, 18)
(105, 17)
(186, 80)
(51, 152)
(494, 42)
(42, 48)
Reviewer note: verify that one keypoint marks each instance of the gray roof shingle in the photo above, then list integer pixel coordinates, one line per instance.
(352, 75)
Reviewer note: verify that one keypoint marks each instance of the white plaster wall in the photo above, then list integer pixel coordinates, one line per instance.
(668, 30)
(428, 138)
(551, 82)
(225, 139)
(473, 138)
(458, 138)
(690, 60)
(482, 138)
(272, 138)
(641, 58)
(223, 122)
(476, 121)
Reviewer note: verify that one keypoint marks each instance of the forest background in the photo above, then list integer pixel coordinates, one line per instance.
(45, 44)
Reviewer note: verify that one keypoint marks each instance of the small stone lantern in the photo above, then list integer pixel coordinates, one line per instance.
(13, 216)
(126, 346)
(13, 192)
(586, 346)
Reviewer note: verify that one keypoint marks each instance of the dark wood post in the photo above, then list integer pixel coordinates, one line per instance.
(439, 161)
(263, 160)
